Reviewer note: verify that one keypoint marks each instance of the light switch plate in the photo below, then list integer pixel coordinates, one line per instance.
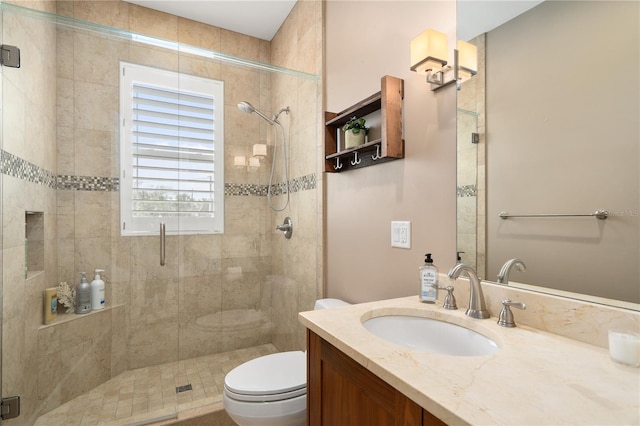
(401, 234)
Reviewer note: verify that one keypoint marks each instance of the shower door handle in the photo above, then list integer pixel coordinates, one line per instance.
(162, 243)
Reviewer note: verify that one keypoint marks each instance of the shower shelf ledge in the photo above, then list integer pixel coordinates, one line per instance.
(64, 318)
(33, 274)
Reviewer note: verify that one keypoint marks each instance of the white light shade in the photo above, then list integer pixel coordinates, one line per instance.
(259, 150)
(467, 57)
(254, 162)
(239, 161)
(428, 51)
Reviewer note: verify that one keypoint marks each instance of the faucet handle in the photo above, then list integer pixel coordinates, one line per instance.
(505, 318)
(449, 300)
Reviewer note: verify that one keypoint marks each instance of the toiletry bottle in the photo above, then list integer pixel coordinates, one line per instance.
(428, 281)
(50, 305)
(97, 291)
(83, 295)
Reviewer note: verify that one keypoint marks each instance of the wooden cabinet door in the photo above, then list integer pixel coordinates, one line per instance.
(341, 392)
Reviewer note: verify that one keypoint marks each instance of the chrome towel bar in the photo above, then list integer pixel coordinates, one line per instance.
(598, 214)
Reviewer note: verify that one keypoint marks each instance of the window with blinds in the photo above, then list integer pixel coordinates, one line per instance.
(172, 152)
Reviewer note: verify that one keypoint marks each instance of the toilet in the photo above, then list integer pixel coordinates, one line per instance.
(271, 390)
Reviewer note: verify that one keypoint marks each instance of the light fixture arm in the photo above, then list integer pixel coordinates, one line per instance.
(445, 75)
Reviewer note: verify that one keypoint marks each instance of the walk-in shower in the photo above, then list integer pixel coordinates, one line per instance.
(250, 109)
(227, 290)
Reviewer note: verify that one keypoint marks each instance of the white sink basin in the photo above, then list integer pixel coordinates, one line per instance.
(425, 334)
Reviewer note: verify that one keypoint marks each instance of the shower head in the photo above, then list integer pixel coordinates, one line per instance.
(249, 109)
(246, 107)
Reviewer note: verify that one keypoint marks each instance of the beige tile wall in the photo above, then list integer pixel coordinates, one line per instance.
(29, 134)
(297, 275)
(163, 302)
(217, 292)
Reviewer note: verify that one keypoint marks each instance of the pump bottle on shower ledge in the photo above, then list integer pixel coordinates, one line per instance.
(83, 295)
(97, 291)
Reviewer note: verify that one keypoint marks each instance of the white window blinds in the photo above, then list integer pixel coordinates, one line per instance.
(172, 152)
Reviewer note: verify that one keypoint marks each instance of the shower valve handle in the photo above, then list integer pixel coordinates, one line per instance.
(286, 227)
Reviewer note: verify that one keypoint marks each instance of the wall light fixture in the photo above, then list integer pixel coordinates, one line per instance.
(429, 55)
(251, 163)
(254, 164)
(260, 150)
(239, 162)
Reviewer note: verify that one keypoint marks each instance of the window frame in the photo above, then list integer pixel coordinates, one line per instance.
(131, 74)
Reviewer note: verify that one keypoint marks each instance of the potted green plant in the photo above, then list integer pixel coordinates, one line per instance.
(355, 132)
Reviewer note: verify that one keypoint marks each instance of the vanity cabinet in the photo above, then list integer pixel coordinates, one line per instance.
(341, 392)
(385, 141)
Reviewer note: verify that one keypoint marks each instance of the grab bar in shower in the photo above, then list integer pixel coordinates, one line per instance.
(162, 243)
(598, 214)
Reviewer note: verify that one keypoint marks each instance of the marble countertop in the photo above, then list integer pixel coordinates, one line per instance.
(537, 378)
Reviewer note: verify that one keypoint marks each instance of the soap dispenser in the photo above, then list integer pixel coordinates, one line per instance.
(428, 280)
(97, 291)
(83, 295)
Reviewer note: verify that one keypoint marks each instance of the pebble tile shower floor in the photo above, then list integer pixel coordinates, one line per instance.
(152, 392)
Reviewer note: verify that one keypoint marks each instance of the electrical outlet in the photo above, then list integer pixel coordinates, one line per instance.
(401, 234)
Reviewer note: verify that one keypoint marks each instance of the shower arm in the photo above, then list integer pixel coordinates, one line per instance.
(245, 106)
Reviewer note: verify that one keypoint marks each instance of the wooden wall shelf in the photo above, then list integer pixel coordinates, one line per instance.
(390, 145)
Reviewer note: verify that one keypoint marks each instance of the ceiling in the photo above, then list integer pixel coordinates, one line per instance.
(480, 16)
(256, 18)
(263, 18)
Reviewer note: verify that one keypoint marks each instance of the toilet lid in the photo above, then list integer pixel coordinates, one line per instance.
(270, 374)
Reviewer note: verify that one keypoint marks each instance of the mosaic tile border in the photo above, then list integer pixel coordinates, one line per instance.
(245, 189)
(87, 183)
(303, 183)
(17, 167)
(467, 191)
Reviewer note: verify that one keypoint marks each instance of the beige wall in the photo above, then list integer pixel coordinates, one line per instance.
(296, 275)
(561, 139)
(364, 41)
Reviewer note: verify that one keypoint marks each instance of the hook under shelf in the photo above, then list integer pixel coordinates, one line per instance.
(356, 160)
(338, 164)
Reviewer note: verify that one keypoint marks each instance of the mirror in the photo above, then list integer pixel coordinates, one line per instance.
(555, 108)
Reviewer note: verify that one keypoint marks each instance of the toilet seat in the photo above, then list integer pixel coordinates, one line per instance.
(265, 398)
(274, 377)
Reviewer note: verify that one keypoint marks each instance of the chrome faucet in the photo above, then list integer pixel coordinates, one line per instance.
(476, 298)
(503, 275)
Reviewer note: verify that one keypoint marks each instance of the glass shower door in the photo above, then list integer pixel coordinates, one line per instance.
(168, 333)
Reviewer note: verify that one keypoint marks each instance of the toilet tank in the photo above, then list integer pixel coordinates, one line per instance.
(329, 303)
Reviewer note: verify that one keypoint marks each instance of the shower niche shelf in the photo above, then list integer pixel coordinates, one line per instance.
(33, 244)
(383, 112)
